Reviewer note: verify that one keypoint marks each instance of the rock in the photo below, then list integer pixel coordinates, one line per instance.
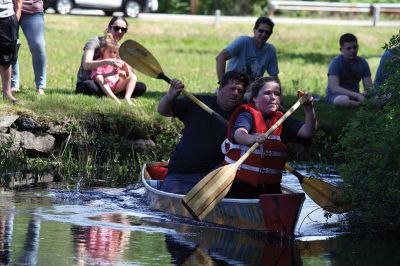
(5, 138)
(59, 129)
(7, 121)
(143, 144)
(36, 144)
(27, 123)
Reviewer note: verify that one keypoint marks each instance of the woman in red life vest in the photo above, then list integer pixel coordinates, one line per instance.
(261, 173)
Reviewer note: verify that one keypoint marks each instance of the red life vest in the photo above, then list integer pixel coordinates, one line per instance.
(266, 163)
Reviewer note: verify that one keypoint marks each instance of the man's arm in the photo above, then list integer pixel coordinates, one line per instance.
(367, 83)
(17, 8)
(333, 83)
(165, 105)
(222, 57)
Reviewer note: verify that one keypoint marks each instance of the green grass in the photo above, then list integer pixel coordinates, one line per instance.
(186, 51)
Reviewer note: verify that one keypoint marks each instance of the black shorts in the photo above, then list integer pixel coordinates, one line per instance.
(8, 40)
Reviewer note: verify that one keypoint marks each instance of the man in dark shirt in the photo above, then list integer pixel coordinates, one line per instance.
(199, 149)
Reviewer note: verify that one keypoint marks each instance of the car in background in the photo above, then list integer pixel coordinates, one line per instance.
(131, 8)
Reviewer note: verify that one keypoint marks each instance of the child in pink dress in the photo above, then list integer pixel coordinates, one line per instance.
(114, 79)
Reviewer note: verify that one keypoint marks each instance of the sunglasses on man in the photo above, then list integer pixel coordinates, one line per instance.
(118, 28)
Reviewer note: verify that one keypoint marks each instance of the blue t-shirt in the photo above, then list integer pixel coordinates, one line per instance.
(199, 149)
(349, 75)
(251, 60)
(382, 73)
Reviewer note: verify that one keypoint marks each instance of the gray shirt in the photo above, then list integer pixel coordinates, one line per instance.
(350, 74)
(92, 44)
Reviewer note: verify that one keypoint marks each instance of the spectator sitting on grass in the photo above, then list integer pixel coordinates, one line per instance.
(117, 26)
(114, 79)
(345, 73)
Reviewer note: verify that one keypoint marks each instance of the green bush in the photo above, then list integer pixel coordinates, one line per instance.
(370, 147)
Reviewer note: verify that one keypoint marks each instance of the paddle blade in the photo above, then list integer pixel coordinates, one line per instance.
(140, 58)
(326, 195)
(206, 194)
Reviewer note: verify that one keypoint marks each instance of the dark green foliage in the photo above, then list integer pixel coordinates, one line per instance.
(370, 147)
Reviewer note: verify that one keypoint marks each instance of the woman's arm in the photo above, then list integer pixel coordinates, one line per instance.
(89, 64)
(310, 126)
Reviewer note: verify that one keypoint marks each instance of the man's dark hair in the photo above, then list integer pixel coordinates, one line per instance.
(264, 20)
(259, 83)
(235, 76)
(347, 37)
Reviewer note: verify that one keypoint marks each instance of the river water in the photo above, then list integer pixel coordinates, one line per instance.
(109, 226)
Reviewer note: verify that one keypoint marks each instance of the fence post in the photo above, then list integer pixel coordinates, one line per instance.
(376, 14)
(217, 17)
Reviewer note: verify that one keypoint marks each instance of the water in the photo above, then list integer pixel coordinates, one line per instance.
(115, 227)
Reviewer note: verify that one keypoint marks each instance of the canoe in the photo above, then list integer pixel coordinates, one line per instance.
(273, 214)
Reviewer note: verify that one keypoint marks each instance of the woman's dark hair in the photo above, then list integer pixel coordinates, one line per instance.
(259, 83)
(115, 18)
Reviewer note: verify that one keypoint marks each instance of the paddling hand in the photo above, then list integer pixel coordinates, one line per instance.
(176, 88)
(260, 138)
(309, 101)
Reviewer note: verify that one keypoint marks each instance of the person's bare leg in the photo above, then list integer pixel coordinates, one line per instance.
(345, 101)
(129, 86)
(5, 72)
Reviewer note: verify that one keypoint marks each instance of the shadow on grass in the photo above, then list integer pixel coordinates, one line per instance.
(317, 58)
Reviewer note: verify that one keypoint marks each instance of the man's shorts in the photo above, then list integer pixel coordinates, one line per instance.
(8, 40)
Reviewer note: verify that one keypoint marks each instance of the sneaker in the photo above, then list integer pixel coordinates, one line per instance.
(40, 91)
(14, 89)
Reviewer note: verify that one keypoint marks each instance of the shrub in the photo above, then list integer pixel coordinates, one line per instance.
(370, 147)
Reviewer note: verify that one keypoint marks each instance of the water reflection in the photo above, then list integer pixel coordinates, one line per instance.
(6, 227)
(100, 244)
(118, 230)
(200, 245)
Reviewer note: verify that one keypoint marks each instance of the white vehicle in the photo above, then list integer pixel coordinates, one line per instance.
(131, 8)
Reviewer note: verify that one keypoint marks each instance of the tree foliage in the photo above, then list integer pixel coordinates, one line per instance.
(370, 147)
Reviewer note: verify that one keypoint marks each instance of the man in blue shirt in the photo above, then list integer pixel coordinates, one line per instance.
(251, 55)
(345, 73)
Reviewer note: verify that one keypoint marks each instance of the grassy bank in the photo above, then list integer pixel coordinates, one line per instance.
(186, 51)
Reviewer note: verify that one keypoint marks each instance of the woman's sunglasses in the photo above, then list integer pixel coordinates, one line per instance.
(118, 28)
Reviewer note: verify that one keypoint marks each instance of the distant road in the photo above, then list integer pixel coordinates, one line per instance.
(251, 20)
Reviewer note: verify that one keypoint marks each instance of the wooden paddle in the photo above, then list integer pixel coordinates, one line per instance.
(142, 60)
(324, 194)
(203, 197)
(138, 56)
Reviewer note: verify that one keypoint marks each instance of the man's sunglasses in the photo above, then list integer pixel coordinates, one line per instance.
(118, 28)
(267, 32)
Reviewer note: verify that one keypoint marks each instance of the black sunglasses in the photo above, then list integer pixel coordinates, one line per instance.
(267, 32)
(118, 28)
